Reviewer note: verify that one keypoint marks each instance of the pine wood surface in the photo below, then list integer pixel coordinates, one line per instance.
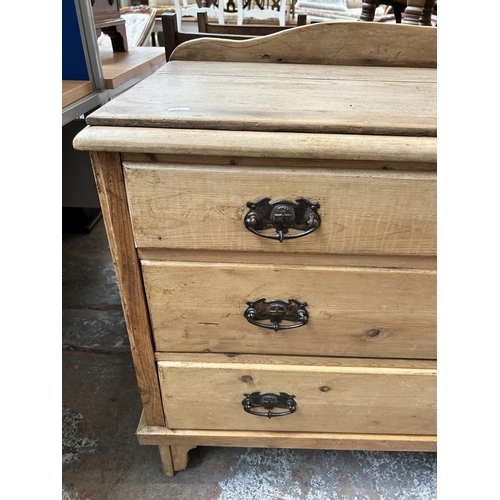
(365, 213)
(336, 42)
(113, 199)
(174, 458)
(276, 149)
(200, 307)
(388, 261)
(247, 161)
(318, 362)
(72, 90)
(252, 96)
(329, 399)
(166, 459)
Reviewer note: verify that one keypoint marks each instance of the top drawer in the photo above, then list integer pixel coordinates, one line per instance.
(204, 207)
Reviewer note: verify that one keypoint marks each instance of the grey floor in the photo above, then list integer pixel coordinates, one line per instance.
(101, 458)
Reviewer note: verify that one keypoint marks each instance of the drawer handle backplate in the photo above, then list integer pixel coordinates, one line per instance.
(269, 401)
(277, 311)
(282, 215)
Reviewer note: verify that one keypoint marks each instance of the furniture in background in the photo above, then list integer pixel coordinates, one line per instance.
(83, 87)
(173, 37)
(107, 20)
(122, 70)
(139, 23)
(213, 8)
(414, 12)
(275, 244)
(83, 90)
(204, 26)
(324, 10)
(92, 75)
(261, 10)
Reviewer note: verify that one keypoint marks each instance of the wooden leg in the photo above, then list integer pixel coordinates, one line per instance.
(174, 458)
(123, 33)
(166, 460)
(368, 10)
(118, 37)
(398, 10)
(413, 12)
(426, 17)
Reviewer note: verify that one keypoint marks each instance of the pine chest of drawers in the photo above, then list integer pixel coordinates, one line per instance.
(273, 229)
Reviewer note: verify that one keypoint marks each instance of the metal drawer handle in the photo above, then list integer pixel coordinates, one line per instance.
(277, 311)
(269, 401)
(282, 215)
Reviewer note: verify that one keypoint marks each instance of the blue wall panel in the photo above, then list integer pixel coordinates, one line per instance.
(74, 66)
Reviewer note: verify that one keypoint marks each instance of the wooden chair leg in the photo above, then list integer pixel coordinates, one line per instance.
(368, 10)
(398, 11)
(426, 17)
(174, 458)
(413, 12)
(118, 37)
(169, 29)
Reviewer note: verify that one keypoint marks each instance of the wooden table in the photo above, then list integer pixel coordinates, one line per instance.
(72, 90)
(122, 70)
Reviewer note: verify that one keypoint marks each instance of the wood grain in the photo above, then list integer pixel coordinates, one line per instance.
(166, 460)
(180, 456)
(392, 262)
(308, 361)
(403, 153)
(380, 101)
(329, 399)
(363, 213)
(200, 307)
(337, 42)
(113, 200)
(248, 161)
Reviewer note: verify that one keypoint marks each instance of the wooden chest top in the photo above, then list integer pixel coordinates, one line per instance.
(307, 98)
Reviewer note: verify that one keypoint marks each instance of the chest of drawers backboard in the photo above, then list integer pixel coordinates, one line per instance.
(271, 212)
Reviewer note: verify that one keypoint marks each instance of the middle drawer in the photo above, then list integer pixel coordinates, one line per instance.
(236, 308)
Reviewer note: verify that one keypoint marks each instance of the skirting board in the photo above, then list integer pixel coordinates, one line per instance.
(155, 435)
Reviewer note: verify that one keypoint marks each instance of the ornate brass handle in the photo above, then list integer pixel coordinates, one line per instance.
(282, 215)
(277, 311)
(269, 401)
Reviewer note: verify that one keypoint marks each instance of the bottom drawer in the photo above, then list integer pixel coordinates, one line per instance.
(206, 391)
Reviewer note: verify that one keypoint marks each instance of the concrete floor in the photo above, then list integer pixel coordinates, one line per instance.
(101, 407)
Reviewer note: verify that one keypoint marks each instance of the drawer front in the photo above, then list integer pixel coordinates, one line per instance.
(361, 212)
(351, 399)
(196, 307)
